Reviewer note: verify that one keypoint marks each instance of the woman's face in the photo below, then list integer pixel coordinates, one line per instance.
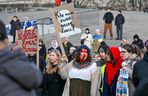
(125, 54)
(53, 44)
(53, 58)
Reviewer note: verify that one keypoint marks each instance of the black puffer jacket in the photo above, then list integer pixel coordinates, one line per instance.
(18, 76)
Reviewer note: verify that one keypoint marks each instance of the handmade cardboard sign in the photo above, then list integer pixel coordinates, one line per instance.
(67, 20)
(27, 40)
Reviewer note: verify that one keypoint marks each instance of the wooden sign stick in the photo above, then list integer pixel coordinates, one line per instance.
(57, 30)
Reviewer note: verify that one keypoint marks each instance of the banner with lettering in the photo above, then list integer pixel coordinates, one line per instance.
(67, 20)
(27, 40)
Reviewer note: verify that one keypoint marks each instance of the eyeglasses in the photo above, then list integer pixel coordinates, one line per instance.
(123, 52)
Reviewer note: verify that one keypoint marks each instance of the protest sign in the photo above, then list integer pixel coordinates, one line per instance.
(66, 17)
(65, 22)
(27, 40)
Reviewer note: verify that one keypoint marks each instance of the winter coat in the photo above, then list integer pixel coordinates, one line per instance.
(140, 71)
(42, 51)
(131, 61)
(67, 48)
(42, 62)
(26, 25)
(18, 76)
(65, 68)
(54, 84)
(88, 40)
(119, 19)
(15, 25)
(111, 73)
(108, 17)
(139, 43)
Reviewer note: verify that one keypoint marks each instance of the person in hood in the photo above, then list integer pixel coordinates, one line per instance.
(140, 74)
(137, 41)
(18, 76)
(113, 65)
(119, 21)
(54, 45)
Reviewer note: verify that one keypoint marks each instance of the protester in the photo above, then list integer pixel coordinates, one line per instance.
(15, 25)
(33, 58)
(71, 53)
(137, 41)
(108, 18)
(54, 45)
(67, 45)
(113, 65)
(119, 21)
(26, 25)
(53, 82)
(87, 39)
(97, 39)
(137, 51)
(42, 49)
(102, 53)
(129, 59)
(140, 72)
(81, 74)
(101, 62)
(18, 76)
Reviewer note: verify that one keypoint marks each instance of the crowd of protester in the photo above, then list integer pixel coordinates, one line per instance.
(91, 68)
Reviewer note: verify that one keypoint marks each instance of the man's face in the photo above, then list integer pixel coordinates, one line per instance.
(108, 10)
(14, 19)
(135, 39)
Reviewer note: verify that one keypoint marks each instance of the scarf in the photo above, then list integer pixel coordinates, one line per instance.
(113, 69)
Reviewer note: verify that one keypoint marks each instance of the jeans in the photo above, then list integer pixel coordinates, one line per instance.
(119, 29)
